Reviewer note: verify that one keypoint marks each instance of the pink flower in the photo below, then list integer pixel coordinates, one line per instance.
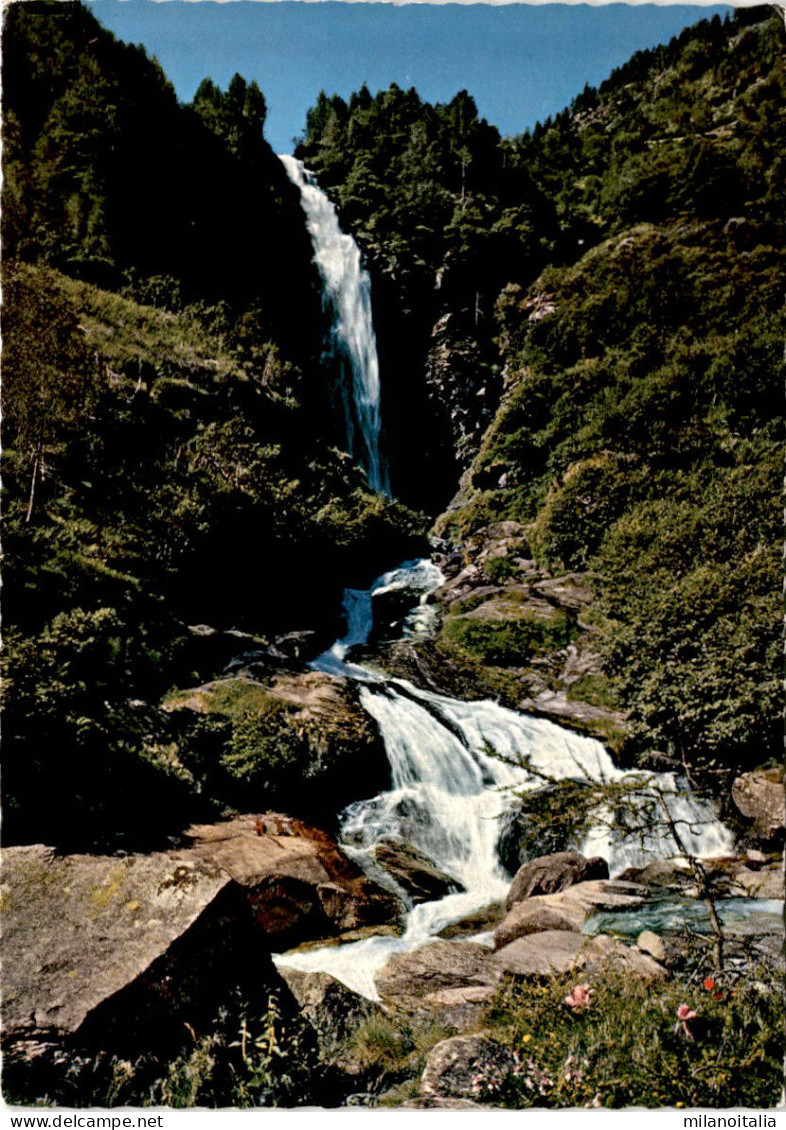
(580, 998)
(684, 1014)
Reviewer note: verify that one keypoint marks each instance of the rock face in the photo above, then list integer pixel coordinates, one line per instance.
(759, 797)
(326, 750)
(498, 583)
(299, 884)
(414, 872)
(123, 947)
(135, 946)
(550, 873)
(454, 1066)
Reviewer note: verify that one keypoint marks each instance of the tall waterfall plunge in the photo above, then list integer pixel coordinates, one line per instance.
(351, 345)
(450, 792)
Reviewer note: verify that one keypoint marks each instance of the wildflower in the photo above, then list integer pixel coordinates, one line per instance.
(526, 1038)
(684, 1015)
(580, 998)
(709, 984)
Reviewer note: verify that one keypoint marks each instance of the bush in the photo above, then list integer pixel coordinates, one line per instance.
(509, 643)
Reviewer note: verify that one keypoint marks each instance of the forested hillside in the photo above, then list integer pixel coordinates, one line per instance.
(610, 286)
(167, 426)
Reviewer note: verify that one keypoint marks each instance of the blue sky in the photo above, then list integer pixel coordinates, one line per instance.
(520, 62)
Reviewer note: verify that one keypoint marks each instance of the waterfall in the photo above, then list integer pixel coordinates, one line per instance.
(449, 790)
(351, 347)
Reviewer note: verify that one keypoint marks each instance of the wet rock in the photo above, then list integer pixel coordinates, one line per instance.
(662, 875)
(299, 883)
(294, 646)
(454, 1065)
(523, 837)
(759, 797)
(479, 922)
(413, 871)
(550, 873)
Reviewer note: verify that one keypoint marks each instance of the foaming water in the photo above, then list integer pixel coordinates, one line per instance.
(454, 766)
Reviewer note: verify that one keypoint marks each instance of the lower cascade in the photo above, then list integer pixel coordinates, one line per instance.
(453, 768)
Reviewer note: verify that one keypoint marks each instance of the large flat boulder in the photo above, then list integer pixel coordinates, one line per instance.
(544, 954)
(300, 885)
(129, 946)
(557, 951)
(408, 978)
(550, 873)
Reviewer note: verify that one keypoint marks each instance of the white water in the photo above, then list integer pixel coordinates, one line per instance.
(352, 345)
(449, 791)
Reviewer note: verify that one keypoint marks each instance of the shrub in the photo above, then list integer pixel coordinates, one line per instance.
(509, 643)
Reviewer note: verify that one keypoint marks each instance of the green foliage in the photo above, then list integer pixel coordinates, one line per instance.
(509, 642)
(639, 442)
(276, 1060)
(627, 1048)
(237, 116)
(243, 1061)
(694, 582)
(499, 569)
(393, 1049)
(152, 479)
(109, 179)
